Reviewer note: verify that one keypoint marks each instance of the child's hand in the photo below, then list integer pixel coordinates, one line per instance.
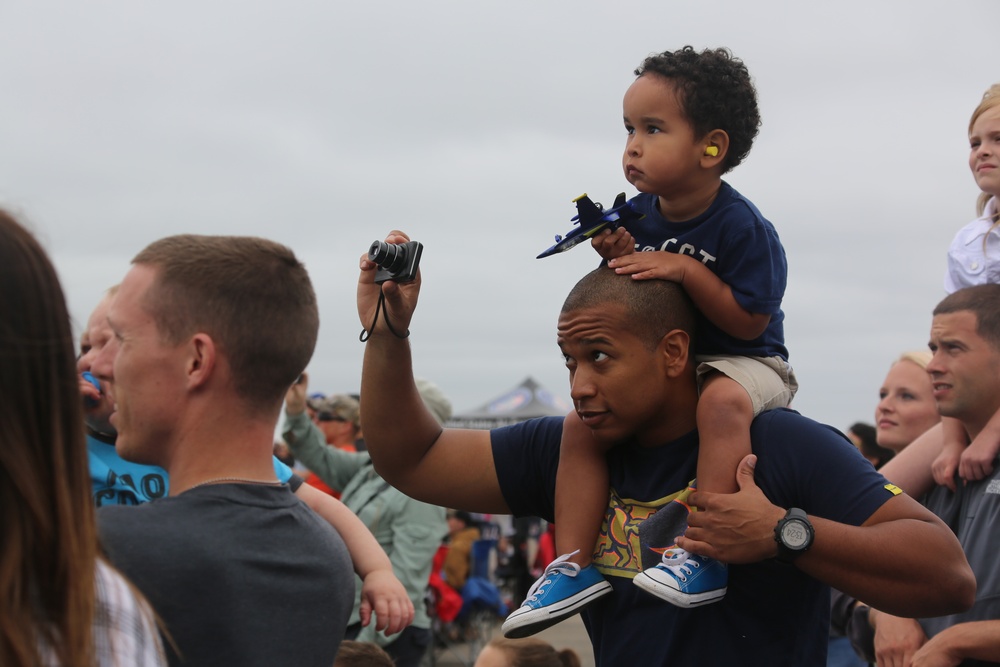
(946, 464)
(91, 394)
(382, 593)
(660, 265)
(977, 460)
(610, 244)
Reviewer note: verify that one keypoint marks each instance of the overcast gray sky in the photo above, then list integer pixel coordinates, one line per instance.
(472, 126)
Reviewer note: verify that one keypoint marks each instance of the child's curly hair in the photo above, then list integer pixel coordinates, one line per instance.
(715, 93)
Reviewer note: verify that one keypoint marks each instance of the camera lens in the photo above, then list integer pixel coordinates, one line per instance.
(389, 256)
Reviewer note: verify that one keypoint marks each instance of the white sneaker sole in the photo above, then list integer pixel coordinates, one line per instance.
(524, 622)
(674, 596)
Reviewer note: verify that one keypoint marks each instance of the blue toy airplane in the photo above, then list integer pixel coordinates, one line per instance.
(590, 219)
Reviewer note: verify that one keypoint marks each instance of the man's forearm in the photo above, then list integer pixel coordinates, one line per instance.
(398, 427)
(410, 450)
(879, 565)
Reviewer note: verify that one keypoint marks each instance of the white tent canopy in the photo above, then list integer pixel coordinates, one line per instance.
(524, 401)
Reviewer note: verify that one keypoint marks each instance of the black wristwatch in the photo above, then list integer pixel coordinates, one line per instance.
(794, 535)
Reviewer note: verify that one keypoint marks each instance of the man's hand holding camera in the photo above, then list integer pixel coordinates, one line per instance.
(397, 279)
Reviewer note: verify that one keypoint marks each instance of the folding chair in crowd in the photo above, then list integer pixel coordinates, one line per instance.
(481, 611)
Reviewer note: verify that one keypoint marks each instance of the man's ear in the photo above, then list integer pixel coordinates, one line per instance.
(716, 145)
(202, 359)
(675, 347)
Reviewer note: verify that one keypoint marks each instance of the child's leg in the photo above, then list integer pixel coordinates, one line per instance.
(724, 415)
(725, 412)
(581, 491)
(570, 582)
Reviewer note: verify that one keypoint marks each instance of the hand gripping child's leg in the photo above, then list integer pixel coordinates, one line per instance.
(681, 578)
(570, 582)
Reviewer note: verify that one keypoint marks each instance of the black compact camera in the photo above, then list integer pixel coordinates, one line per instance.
(396, 261)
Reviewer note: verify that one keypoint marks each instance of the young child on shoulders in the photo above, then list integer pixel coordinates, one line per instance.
(690, 117)
(974, 259)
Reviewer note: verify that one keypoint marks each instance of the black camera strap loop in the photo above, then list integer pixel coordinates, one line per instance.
(366, 333)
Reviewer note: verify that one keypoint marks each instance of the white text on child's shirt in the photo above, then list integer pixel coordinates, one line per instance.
(686, 249)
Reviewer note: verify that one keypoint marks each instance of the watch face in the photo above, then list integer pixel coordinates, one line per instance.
(794, 534)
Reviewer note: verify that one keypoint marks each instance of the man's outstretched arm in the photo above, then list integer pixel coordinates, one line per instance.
(448, 467)
(883, 562)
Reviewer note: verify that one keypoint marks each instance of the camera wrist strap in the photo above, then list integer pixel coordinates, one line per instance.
(366, 333)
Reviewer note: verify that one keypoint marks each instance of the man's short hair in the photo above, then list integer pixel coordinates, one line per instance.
(251, 295)
(981, 300)
(654, 307)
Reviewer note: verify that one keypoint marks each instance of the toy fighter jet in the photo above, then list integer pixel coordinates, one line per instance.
(590, 219)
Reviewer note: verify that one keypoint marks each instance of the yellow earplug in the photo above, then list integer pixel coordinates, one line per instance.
(712, 151)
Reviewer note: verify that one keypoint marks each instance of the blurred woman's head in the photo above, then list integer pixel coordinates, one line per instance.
(47, 580)
(528, 652)
(906, 406)
(865, 439)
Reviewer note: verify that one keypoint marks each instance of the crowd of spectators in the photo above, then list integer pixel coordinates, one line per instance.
(150, 518)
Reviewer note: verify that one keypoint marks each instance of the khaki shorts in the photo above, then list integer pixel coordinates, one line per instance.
(769, 381)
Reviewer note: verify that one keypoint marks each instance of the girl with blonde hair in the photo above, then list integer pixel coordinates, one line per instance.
(974, 259)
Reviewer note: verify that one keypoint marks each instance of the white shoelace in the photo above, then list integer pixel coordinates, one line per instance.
(679, 562)
(560, 564)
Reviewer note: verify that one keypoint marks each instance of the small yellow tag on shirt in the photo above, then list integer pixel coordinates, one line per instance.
(893, 489)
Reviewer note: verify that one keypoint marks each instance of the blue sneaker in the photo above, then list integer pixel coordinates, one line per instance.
(685, 579)
(562, 590)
